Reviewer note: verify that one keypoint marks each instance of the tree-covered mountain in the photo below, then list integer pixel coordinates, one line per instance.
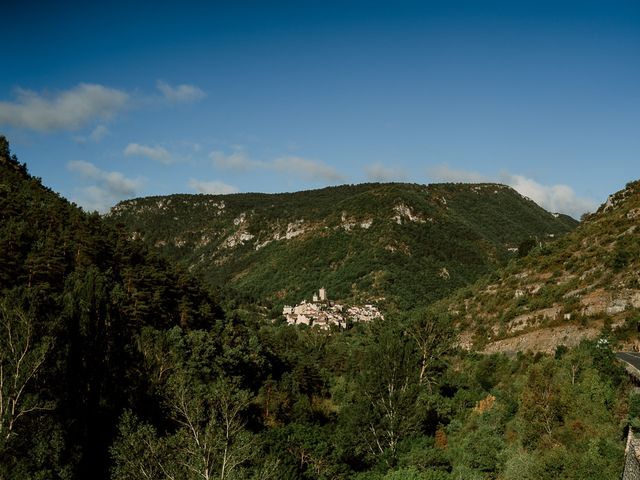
(565, 291)
(403, 245)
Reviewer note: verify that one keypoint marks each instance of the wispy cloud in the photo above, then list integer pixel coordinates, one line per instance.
(554, 198)
(213, 187)
(156, 153)
(183, 93)
(238, 160)
(97, 135)
(305, 168)
(106, 187)
(65, 110)
(379, 173)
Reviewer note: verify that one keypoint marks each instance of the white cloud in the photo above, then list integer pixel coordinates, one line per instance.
(305, 168)
(66, 110)
(156, 153)
(96, 199)
(184, 93)
(98, 133)
(114, 181)
(379, 173)
(554, 198)
(238, 160)
(106, 189)
(86, 169)
(214, 187)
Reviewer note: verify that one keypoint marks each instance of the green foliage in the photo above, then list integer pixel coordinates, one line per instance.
(634, 407)
(526, 246)
(209, 438)
(413, 474)
(73, 294)
(24, 352)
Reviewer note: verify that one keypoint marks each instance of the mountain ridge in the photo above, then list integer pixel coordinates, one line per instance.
(401, 244)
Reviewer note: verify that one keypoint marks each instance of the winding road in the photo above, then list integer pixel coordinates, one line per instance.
(632, 358)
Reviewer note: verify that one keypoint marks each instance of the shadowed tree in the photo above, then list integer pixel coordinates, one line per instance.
(434, 338)
(22, 356)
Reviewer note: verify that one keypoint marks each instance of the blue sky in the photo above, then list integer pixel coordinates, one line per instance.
(111, 101)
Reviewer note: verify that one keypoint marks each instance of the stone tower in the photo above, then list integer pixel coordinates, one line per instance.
(323, 294)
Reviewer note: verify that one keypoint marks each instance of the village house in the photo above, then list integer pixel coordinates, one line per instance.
(322, 313)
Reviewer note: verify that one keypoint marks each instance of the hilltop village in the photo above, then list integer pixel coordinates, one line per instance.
(321, 312)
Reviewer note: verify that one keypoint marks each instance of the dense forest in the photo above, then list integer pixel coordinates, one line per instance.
(115, 363)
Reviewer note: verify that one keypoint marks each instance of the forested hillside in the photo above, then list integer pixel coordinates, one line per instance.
(401, 245)
(115, 364)
(74, 294)
(565, 291)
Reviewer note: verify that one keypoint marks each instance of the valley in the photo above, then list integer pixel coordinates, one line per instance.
(461, 331)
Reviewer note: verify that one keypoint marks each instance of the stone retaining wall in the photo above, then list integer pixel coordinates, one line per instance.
(631, 462)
